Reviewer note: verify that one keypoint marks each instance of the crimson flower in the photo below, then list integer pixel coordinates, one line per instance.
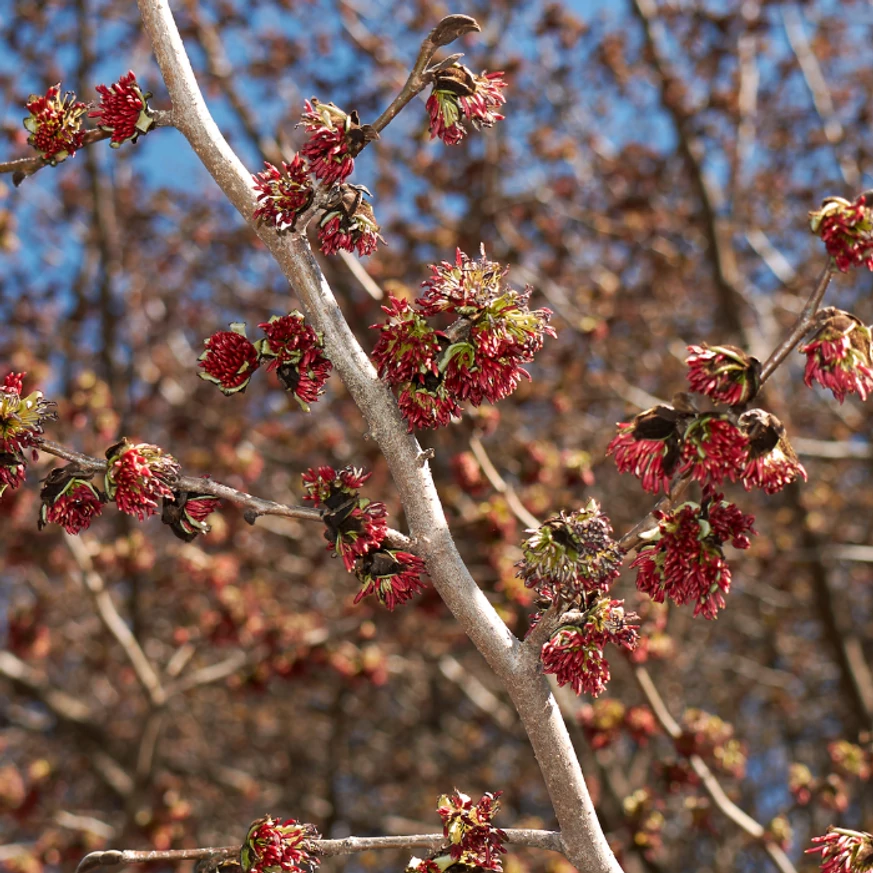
(649, 445)
(844, 851)
(571, 554)
(55, 124)
(725, 374)
(425, 403)
(683, 559)
(349, 225)
(230, 359)
(574, 652)
(21, 423)
(274, 846)
(13, 469)
(846, 228)
(473, 839)
(713, 449)
(283, 195)
(465, 287)
(460, 94)
(335, 139)
(137, 476)
(123, 110)
(408, 346)
(391, 575)
(185, 512)
(772, 463)
(839, 355)
(296, 352)
(69, 499)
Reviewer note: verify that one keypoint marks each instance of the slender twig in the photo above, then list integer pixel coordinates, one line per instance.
(802, 325)
(708, 779)
(532, 839)
(21, 168)
(498, 483)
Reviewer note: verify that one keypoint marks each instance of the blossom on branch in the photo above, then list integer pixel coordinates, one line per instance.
(123, 110)
(349, 224)
(408, 347)
(335, 139)
(296, 352)
(571, 554)
(21, 423)
(839, 355)
(69, 499)
(465, 287)
(649, 446)
(283, 195)
(274, 846)
(725, 374)
(425, 403)
(713, 449)
(230, 359)
(55, 124)
(683, 559)
(844, 851)
(459, 94)
(392, 576)
(772, 463)
(185, 512)
(137, 476)
(473, 839)
(846, 228)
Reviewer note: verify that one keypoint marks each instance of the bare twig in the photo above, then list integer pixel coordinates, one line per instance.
(498, 483)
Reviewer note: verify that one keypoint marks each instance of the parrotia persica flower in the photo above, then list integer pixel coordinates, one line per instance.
(460, 94)
(21, 423)
(354, 525)
(55, 124)
(390, 575)
(725, 374)
(123, 110)
(570, 554)
(846, 228)
(185, 512)
(574, 652)
(69, 499)
(838, 355)
(283, 195)
(844, 851)
(479, 357)
(335, 139)
(296, 352)
(771, 464)
(230, 359)
(349, 224)
(649, 446)
(137, 476)
(683, 558)
(713, 449)
(274, 846)
(473, 839)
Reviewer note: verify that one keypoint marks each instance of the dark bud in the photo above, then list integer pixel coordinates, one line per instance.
(452, 27)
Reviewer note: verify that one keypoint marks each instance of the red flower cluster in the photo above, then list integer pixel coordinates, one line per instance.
(473, 839)
(123, 110)
(574, 652)
(137, 476)
(846, 228)
(290, 347)
(283, 196)
(713, 449)
(355, 530)
(684, 560)
(725, 374)
(477, 358)
(458, 94)
(349, 224)
(335, 139)
(772, 463)
(21, 423)
(839, 355)
(844, 851)
(185, 512)
(55, 124)
(69, 499)
(569, 555)
(273, 846)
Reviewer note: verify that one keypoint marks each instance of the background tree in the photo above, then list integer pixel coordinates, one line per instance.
(652, 181)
